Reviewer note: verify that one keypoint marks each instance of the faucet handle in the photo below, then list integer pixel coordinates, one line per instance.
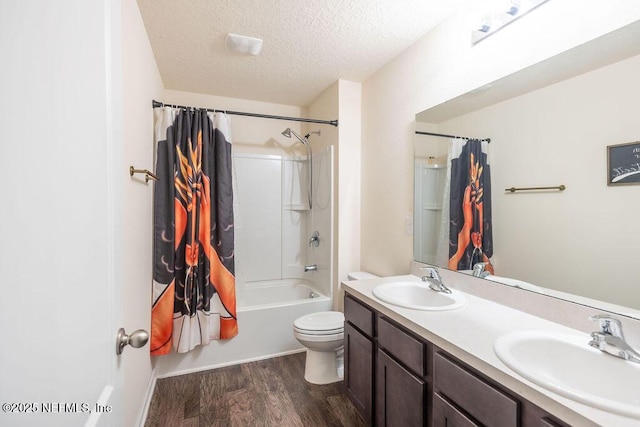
(314, 240)
(479, 270)
(608, 325)
(432, 272)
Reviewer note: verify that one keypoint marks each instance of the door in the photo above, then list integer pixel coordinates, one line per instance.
(60, 217)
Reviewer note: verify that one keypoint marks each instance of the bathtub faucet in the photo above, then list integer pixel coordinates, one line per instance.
(312, 267)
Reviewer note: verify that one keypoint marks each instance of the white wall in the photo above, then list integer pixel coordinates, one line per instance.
(439, 67)
(349, 180)
(141, 84)
(583, 240)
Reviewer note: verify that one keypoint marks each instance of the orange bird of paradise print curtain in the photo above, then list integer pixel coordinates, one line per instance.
(470, 230)
(194, 297)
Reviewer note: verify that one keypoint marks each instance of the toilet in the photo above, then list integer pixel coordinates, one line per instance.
(322, 333)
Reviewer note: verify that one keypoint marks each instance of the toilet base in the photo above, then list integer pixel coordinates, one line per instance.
(323, 367)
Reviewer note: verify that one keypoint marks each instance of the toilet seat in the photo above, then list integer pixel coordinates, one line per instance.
(312, 332)
(320, 323)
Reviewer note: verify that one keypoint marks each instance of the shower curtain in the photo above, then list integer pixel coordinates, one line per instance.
(193, 254)
(470, 229)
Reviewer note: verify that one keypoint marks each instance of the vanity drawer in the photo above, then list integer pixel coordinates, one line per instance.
(404, 347)
(358, 315)
(482, 401)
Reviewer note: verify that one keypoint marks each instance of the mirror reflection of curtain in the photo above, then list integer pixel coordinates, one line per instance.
(194, 297)
(467, 225)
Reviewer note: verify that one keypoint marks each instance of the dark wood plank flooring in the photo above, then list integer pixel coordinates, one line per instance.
(269, 392)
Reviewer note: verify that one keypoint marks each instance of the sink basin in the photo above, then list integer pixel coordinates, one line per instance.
(568, 366)
(418, 296)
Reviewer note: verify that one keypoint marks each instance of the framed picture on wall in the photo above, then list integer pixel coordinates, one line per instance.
(623, 164)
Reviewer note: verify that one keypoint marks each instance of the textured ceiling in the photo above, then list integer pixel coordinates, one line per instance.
(308, 44)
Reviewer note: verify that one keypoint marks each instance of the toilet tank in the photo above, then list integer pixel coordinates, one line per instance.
(361, 275)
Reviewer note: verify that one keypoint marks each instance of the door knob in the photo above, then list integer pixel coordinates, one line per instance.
(136, 340)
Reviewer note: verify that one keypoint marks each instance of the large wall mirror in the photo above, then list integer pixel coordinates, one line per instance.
(549, 125)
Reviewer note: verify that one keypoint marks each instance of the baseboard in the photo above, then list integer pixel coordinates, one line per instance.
(222, 365)
(151, 387)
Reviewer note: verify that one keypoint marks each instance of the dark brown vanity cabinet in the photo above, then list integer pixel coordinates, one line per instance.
(396, 378)
(465, 399)
(359, 355)
(401, 385)
(385, 368)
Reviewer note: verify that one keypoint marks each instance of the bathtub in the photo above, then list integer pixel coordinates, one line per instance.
(266, 311)
(259, 295)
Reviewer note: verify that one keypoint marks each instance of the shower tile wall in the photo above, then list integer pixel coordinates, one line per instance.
(273, 220)
(258, 213)
(271, 215)
(295, 216)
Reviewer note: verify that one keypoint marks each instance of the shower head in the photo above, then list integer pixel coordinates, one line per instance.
(288, 131)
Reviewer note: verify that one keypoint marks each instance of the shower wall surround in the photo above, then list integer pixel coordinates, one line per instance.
(273, 219)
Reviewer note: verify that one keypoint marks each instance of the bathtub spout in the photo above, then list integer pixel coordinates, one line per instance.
(312, 267)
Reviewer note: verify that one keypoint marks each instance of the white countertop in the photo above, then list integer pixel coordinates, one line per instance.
(468, 333)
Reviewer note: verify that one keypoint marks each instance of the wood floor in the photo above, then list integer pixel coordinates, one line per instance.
(269, 392)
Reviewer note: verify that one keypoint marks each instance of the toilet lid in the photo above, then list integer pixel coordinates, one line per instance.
(323, 321)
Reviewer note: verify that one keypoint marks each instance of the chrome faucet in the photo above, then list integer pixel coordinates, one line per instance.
(312, 267)
(479, 270)
(434, 280)
(610, 338)
(314, 240)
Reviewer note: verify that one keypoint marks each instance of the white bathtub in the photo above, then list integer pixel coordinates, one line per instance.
(266, 311)
(258, 295)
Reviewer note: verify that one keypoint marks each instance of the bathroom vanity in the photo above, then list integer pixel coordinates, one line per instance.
(425, 368)
(415, 380)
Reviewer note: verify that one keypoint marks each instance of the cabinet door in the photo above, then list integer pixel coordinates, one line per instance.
(358, 370)
(445, 415)
(400, 396)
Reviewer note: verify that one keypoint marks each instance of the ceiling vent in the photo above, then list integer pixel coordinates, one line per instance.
(243, 44)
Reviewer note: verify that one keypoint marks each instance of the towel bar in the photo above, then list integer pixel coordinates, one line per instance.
(147, 174)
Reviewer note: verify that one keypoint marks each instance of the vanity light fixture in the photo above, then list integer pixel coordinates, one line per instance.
(243, 44)
(512, 10)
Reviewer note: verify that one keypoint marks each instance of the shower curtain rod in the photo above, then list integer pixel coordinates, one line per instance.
(450, 136)
(157, 104)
